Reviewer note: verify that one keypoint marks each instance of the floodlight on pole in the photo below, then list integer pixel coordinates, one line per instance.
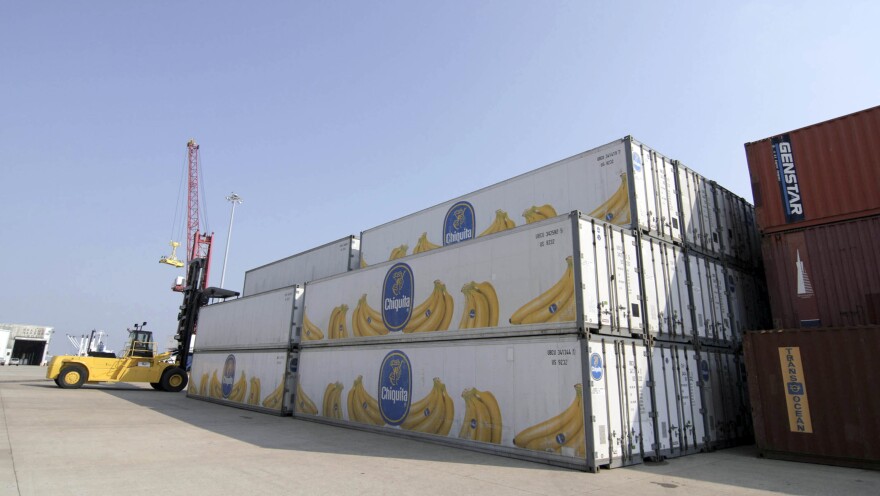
(234, 199)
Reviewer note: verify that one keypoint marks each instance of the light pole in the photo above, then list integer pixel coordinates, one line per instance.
(232, 198)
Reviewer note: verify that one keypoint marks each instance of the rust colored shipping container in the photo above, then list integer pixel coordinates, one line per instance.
(813, 394)
(824, 276)
(830, 172)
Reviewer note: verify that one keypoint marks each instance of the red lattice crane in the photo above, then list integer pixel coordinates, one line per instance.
(198, 244)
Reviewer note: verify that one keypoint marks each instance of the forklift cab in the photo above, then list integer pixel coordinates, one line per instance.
(139, 343)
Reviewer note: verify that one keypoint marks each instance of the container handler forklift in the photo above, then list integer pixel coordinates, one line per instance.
(139, 361)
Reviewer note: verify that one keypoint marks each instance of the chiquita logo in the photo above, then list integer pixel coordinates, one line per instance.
(637, 162)
(395, 387)
(397, 297)
(704, 370)
(228, 376)
(459, 224)
(596, 370)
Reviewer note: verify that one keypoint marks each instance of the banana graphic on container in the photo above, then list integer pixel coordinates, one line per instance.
(432, 414)
(616, 209)
(337, 328)
(332, 406)
(310, 331)
(253, 396)
(203, 385)
(557, 304)
(536, 213)
(424, 245)
(482, 417)
(366, 321)
(563, 430)
(362, 407)
(273, 401)
(363, 263)
(215, 390)
(304, 404)
(238, 389)
(480, 306)
(502, 222)
(398, 252)
(433, 314)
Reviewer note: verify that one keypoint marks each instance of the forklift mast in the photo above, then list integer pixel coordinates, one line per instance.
(195, 295)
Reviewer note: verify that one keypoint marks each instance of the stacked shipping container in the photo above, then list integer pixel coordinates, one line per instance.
(507, 338)
(817, 203)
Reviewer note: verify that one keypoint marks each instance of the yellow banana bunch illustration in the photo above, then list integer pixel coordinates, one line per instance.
(238, 389)
(536, 213)
(362, 407)
(215, 389)
(480, 306)
(424, 245)
(557, 304)
(433, 314)
(203, 385)
(363, 263)
(398, 252)
(482, 417)
(502, 222)
(337, 328)
(616, 209)
(563, 430)
(310, 331)
(432, 414)
(304, 404)
(253, 396)
(274, 399)
(332, 406)
(366, 321)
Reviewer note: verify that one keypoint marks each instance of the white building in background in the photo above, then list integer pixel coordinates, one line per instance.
(29, 343)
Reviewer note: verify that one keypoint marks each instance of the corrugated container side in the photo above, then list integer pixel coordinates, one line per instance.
(262, 321)
(723, 398)
(253, 380)
(681, 427)
(323, 261)
(832, 172)
(825, 276)
(813, 394)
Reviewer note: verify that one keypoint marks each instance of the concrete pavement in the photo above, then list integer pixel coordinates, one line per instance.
(124, 438)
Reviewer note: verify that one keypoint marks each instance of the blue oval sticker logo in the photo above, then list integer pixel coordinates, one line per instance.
(397, 296)
(459, 223)
(596, 369)
(637, 162)
(395, 387)
(228, 379)
(704, 370)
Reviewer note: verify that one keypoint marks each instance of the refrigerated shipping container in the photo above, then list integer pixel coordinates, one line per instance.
(254, 380)
(827, 172)
(324, 261)
(813, 394)
(262, 321)
(519, 397)
(624, 183)
(825, 275)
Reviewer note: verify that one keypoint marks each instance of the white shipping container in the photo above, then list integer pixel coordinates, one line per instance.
(728, 418)
(324, 261)
(262, 321)
(257, 380)
(624, 183)
(523, 397)
(681, 426)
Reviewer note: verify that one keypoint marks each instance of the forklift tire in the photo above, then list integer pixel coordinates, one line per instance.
(156, 386)
(174, 379)
(72, 376)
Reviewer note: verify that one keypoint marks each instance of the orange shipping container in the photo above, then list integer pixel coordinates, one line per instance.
(822, 173)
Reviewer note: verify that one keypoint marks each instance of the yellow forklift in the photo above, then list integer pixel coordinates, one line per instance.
(139, 361)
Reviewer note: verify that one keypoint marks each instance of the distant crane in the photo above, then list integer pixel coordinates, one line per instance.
(198, 244)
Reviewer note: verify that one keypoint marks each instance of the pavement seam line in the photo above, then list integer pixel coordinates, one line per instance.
(9, 442)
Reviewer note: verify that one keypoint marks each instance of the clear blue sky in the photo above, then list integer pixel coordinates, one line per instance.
(333, 117)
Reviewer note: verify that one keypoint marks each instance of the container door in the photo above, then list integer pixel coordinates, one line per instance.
(656, 294)
(643, 428)
(687, 325)
(693, 427)
(699, 301)
(707, 399)
(603, 275)
(634, 311)
(592, 292)
(603, 395)
(690, 215)
(617, 256)
(641, 172)
(671, 216)
(668, 419)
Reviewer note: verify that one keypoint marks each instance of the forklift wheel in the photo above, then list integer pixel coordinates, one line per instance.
(72, 376)
(174, 379)
(156, 386)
